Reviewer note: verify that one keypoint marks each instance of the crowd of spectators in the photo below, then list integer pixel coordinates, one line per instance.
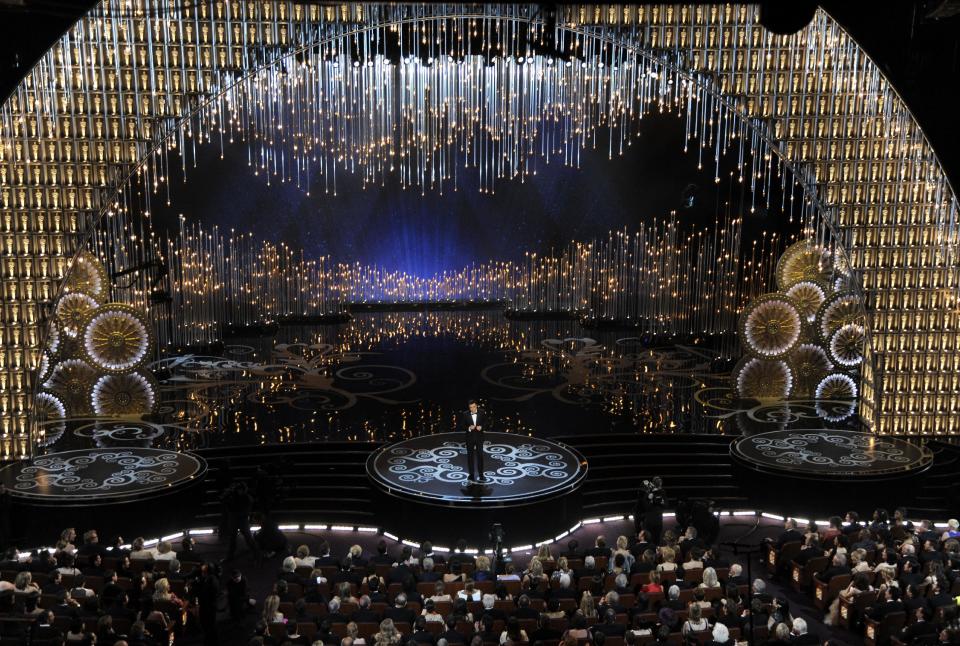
(634, 591)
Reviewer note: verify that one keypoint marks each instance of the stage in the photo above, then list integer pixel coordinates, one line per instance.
(520, 470)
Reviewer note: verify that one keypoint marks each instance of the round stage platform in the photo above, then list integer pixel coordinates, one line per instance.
(827, 454)
(432, 469)
(97, 476)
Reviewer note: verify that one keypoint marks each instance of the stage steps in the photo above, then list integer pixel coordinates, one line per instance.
(322, 481)
(690, 465)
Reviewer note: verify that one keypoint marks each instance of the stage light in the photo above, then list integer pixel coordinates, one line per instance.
(744, 513)
(442, 550)
(316, 527)
(562, 536)
(369, 530)
(608, 519)
(575, 528)
(288, 528)
(172, 537)
(391, 536)
(342, 528)
(802, 521)
(255, 528)
(200, 532)
(521, 548)
(412, 544)
(471, 550)
(771, 516)
(152, 541)
(542, 543)
(591, 521)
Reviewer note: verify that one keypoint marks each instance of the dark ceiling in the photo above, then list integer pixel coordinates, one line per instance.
(915, 42)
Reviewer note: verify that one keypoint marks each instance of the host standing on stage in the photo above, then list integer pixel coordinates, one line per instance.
(473, 423)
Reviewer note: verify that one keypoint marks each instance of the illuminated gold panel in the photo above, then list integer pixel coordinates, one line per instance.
(98, 102)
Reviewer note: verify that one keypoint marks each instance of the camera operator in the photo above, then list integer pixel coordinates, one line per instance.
(648, 510)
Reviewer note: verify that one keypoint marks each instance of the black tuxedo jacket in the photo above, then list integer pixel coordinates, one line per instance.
(466, 421)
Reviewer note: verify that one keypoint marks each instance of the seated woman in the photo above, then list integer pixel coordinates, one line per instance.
(513, 632)
(535, 577)
(563, 567)
(440, 592)
(669, 560)
(161, 592)
(695, 560)
(271, 610)
(588, 608)
(483, 572)
(578, 627)
(429, 612)
(469, 592)
(695, 622)
(654, 585)
(710, 579)
(858, 585)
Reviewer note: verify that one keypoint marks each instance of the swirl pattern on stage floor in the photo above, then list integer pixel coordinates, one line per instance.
(517, 469)
(95, 475)
(823, 453)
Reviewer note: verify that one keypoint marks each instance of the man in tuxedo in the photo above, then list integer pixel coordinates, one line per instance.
(473, 423)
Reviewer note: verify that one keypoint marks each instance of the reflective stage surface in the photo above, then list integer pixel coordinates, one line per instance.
(391, 376)
(516, 470)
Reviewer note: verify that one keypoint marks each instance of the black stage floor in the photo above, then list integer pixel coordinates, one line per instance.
(633, 406)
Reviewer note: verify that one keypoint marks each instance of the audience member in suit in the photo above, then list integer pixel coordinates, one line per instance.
(460, 556)
(334, 616)
(524, 611)
(326, 559)
(564, 591)
(420, 633)
(609, 627)
(382, 557)
(853, 526)
(800, 636)
(922, 628)
(790, 534)
(399, 612)
(365, 613)
(427, 575)
(451, 634)
(543, 632)
(889, 603)
(600, 549)
(838, 567)
(91, 545)
(811, 549)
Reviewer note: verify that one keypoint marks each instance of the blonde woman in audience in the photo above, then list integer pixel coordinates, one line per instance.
(546, 558)
(858, 561)
(138, 551)
(710, 579)
(483, 572)
(353, 632)
(161, 592)
(165, 551)
(695, 622)
(535, 578)
(588, 607)
(271, 610)
(563, 567)
(23, 584)
(303, 559)
(388, 635)
(669, 557)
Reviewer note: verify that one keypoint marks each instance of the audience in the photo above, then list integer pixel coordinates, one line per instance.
(639, 592)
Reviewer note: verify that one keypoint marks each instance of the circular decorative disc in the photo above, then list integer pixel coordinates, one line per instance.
(838, 310)
(803, 261)
(130, 394)
(117, 338)
(808, 296)
(43, 370)
(53, 339)
(836, 386)
(762, 379)
(88, 276)
(809, 363)
(846, 345)
(71, 380)
(770, 326)
(72, 311)
(47, 411)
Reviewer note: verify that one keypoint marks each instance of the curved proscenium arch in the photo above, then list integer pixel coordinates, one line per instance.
(99, 103)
